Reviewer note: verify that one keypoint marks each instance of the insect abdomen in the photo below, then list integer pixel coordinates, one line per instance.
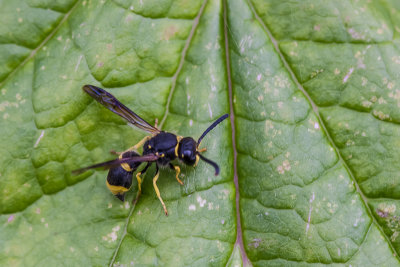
(119, 180)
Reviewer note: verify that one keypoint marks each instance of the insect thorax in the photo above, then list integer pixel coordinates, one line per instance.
(163, 144)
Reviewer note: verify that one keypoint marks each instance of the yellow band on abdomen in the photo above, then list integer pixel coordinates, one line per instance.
(125, 166)
(116, 189)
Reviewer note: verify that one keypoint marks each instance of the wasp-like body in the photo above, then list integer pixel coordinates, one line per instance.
(162, 148)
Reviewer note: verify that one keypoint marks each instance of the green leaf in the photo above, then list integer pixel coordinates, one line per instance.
(310, 171)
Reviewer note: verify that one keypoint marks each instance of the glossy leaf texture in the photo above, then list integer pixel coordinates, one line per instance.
(313, 92)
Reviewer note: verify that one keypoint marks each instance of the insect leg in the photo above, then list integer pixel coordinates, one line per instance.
(158, 191)
(197, 156)
(156, 123)
(139, 179)
(140, 144)
(135, 147)
(178, 171)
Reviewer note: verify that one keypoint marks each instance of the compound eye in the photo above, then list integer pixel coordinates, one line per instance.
(188, 154)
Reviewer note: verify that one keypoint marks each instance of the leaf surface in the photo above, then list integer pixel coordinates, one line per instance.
(309, 167)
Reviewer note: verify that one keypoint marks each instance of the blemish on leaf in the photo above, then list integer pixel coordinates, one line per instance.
(11, 218)
(201, 201)
(281, 81)
(387, 208)
(284, 167)
(169, 32)
(312, 198)
(78, 63)
(38, 140)
(380, 115)
(348, 75)
(337, 71)
(355, 35)
(255, 243)
(396, 59)
(364, 81)
(112, 237)
(209, 110)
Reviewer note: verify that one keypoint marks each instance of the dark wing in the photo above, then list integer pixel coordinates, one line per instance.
(110, 102)
(117, 162)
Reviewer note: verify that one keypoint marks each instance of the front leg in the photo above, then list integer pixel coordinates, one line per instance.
(178, 171)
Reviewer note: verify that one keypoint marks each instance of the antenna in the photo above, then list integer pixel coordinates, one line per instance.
(215, 165)
(220, 119)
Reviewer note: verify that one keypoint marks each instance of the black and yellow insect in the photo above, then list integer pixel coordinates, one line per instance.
(162, 147)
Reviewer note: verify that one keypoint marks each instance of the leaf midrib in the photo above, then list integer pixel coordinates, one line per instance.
(239, 232)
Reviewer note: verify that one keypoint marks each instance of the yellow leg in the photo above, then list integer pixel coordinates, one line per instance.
(201, 150)
(139, 182)
(158, 191)
(141, 143)
(197, 160)
(178, 171)
(135, 147)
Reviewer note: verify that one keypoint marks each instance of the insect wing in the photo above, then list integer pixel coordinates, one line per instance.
(116, 162)
(110, 102)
